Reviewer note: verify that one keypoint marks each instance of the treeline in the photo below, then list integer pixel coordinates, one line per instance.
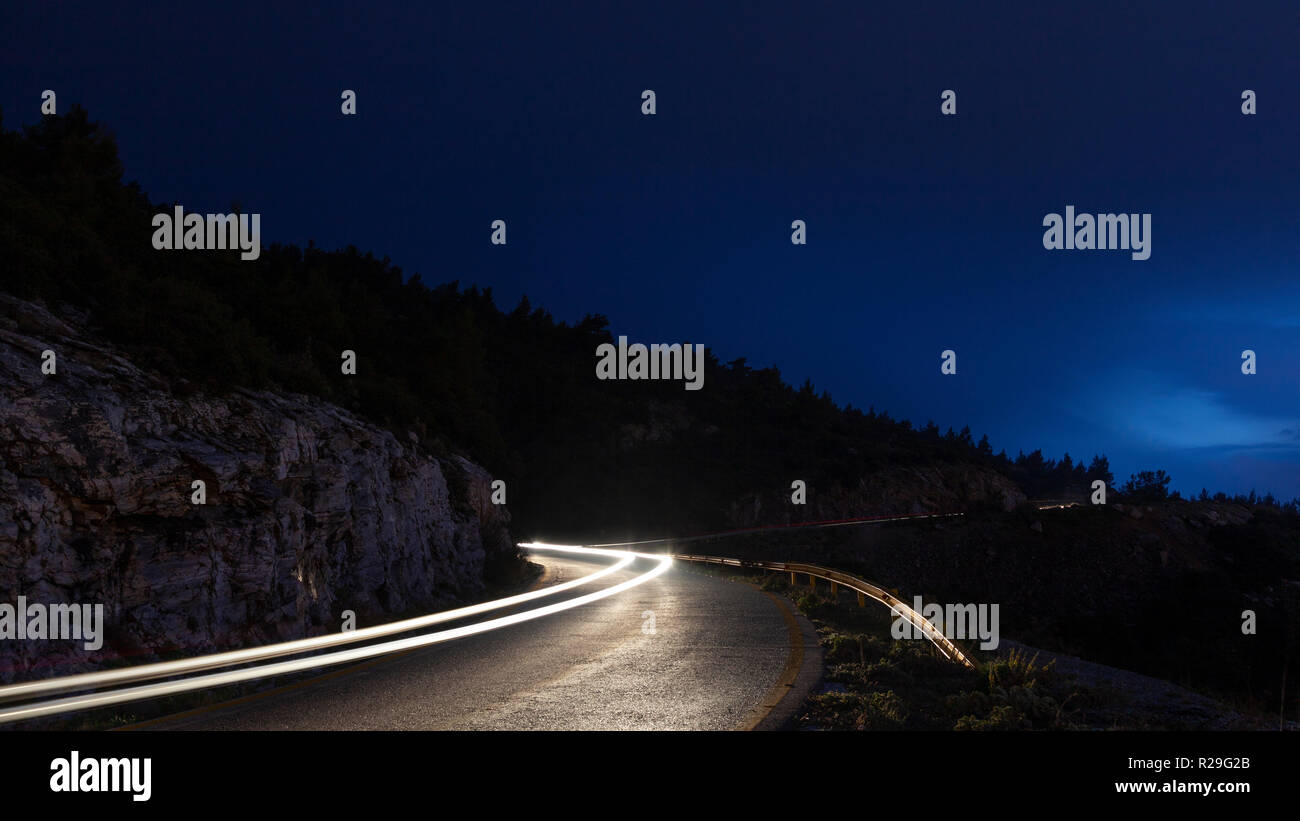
(514, 390)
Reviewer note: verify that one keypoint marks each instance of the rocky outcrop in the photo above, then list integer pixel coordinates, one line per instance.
(309, 510)
(937, 487)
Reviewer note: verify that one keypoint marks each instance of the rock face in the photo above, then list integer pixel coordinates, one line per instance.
(309, 510)
(928, 488)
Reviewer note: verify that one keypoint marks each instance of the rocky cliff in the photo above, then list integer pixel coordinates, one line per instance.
(309, 510)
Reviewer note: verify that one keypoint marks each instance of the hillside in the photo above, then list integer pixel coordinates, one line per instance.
(446, 380)
(1157, 588)
(514, 390)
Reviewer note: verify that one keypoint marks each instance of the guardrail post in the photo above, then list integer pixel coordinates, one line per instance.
(812, 581)
(862, 600)
(835, 590)
(793, 580)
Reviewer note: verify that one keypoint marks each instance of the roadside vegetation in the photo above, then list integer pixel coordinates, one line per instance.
(873, 681)
(876, 682)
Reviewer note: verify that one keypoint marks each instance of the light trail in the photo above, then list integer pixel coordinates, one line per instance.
(792, 526)
(144, 672)
(89, 700)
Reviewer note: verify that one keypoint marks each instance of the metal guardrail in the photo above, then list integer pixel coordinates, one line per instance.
(863, 588)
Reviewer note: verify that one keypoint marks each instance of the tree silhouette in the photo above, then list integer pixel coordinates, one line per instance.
(1147, 486)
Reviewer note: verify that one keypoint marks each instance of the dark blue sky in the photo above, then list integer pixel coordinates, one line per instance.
(924, 231)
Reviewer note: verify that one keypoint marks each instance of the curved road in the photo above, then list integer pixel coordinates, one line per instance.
(720, 654)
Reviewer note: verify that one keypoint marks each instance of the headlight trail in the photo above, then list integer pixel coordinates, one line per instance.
(166, 688)
(746, 531)
(145, 672)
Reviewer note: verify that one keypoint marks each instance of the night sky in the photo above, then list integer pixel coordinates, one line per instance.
(924, 231)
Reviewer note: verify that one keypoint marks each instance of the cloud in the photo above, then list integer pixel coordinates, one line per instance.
(1276, 308)
(1143, 407)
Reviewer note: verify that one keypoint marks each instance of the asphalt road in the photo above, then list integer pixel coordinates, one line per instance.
(716, 655)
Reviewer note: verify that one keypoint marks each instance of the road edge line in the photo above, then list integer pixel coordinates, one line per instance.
(802, 673)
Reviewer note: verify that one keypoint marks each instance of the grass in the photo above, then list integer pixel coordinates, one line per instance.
(876, 682)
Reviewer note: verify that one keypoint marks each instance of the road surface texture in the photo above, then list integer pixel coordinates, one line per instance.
(720, 655)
